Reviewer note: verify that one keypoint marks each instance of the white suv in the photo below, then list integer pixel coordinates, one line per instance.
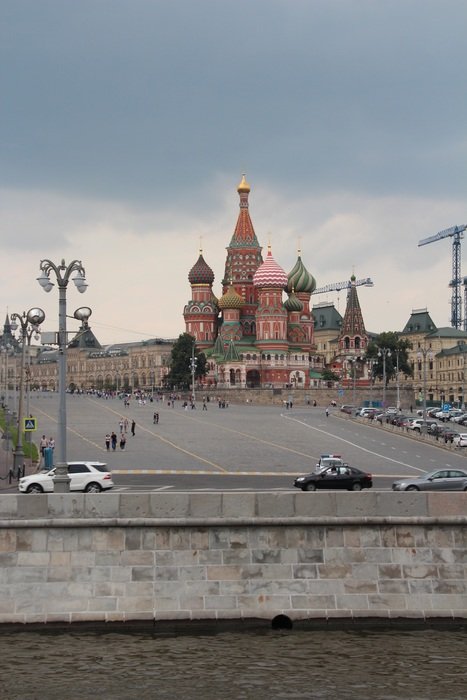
(91, 477)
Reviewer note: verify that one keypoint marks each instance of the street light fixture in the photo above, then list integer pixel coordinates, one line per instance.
(384, 353)
(34, 317)
(423, 353)
(193, 363)
(62, 274)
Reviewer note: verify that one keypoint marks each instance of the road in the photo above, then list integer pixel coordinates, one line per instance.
(244, 447)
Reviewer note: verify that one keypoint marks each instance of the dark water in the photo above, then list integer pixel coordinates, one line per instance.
(388, 665)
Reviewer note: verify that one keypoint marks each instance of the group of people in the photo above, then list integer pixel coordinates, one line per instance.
(44, 442)
(111, 439)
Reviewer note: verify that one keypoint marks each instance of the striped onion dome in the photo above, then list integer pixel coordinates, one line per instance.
(300, 279)
(201, 273)
(293, 303)
(231, 299)
(270, 274)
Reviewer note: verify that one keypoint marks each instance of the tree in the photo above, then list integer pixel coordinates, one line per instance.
(388, 345)
(179, 376)
(329, 376)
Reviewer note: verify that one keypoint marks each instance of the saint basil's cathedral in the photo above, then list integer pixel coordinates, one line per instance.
(250, 336)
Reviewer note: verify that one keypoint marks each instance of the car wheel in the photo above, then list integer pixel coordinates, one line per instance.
(357, 486)
(412, 488)
(35, 488)
(311, 486)
(93, 488)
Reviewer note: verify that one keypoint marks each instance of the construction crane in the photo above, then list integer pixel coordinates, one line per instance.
(456, 233)
(337, 286)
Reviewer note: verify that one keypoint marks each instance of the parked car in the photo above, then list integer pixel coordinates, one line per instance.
(348, 408)
(445, 433)
(400, 420)
(392, 411)
(439, 480)
(345, 477)
(418, 425)
(368, 412)
(91, 477)
(460, 440)
(460, 418)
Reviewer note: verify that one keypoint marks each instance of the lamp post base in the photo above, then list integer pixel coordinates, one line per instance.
(61, 479)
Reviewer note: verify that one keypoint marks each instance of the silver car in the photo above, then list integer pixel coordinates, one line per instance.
(439, 480)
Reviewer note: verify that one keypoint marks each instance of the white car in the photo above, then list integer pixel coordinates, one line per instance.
(460, 440)
(91, 477)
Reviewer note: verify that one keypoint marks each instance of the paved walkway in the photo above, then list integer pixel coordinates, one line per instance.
(238, 438)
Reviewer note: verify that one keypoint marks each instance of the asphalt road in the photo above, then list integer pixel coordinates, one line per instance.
(240, 447)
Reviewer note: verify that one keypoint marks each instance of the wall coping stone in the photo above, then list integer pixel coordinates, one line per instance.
(218, 509)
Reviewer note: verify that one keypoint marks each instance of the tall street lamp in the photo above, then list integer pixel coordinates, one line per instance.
(371, 364)
(193, 362)
(34, 317)
(423, 353)
(353, 361)
(384, 353)
(6, 399)
(62, 273)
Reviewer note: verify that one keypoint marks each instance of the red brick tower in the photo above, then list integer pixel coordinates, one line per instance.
(243, 259)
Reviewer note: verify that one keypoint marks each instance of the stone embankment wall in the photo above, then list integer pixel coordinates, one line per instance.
(181, 556)
(305, 397)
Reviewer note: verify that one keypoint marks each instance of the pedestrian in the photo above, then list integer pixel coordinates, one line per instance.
(120, 425)
(133, 426)
(125, 425)
(51, 443)
(156, 418)
(43, 443)
(205, 408)
(107, 441)
(327, 412)
(122, 441)
(113, 440)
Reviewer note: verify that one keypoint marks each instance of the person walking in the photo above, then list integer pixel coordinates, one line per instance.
(327, 412)
(107, 441)
(113, 440)
(133, 426)
(122, 441)
(43, 444)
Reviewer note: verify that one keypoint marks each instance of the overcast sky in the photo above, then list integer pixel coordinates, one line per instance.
(126, 126)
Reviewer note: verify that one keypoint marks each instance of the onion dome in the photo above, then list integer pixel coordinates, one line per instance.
(201, 273)
(270, 274)
(231, 299)
(300, 279)
(293, 303)
(243, 186)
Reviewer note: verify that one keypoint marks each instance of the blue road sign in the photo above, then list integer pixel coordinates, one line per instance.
(30, 424)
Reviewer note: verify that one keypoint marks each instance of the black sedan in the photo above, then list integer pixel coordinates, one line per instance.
(345, 477)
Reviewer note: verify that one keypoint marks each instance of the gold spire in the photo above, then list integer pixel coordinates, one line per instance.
(243, 186)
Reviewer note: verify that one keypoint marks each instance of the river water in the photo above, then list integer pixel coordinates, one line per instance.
(263, 665)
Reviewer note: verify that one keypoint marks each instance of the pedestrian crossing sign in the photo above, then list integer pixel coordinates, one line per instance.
(30, 424)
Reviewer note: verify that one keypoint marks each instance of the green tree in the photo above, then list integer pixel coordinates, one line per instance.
(179, 376)
(329, 376)
(388, 345)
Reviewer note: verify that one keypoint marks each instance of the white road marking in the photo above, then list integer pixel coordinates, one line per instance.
(353, 444)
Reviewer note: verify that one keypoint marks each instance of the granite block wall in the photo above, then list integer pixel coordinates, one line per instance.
(120, 557)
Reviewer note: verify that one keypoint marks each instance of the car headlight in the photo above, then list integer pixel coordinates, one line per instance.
(300, 478)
